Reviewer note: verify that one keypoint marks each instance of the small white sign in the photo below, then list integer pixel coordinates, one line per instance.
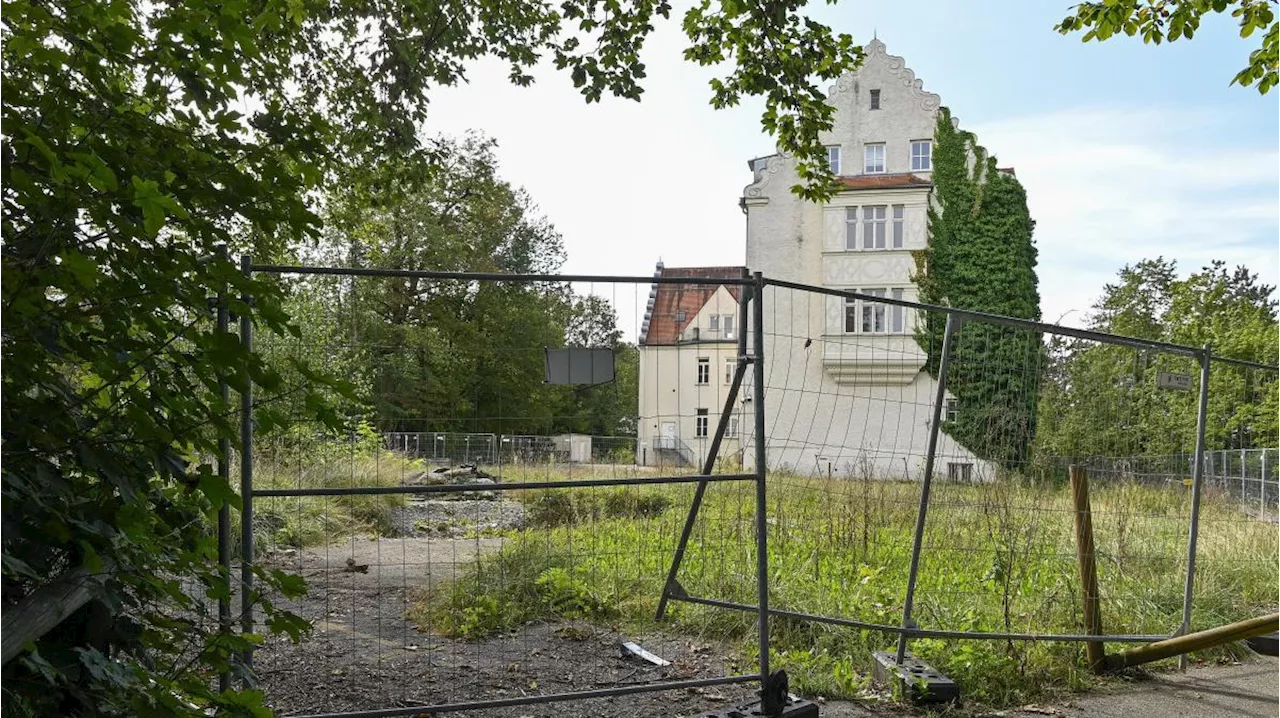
(1169, 380)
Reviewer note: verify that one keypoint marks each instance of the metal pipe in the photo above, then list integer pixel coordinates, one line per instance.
(924, 632)
(762, 523)
(696, 505)
(520, 486)
(999, 319)
(246, 480)
(954, 322)
(224, 476)
(533, 700)
(1245, 363)
(491, 276)
(1184, 644)
(1197, 477)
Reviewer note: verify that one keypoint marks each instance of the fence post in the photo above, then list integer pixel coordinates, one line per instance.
(953, 325)
(246, 482)
(1085, 553)
(1262, 484)
(224, 476)
(1197, 477)
(762, 523)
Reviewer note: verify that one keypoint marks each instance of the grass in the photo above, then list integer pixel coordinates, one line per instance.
(998, 557)
(296, 522)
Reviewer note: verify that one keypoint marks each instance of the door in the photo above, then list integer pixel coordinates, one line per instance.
(668, 438)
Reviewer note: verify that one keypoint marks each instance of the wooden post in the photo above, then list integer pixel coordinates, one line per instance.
(1095, 650)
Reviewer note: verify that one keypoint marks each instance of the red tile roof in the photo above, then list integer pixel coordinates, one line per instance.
(884, 181)
(662, 325)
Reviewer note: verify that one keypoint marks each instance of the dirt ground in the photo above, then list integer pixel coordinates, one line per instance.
(365, 654)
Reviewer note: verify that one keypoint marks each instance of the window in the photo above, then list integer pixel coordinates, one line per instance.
(874, 159)
(728, 326)
(704, 370)
(875, 99)
(715, 322)
(873, 227)
(951, 412)
(863, 316)
(959, 472)
(700, 424)
(899, 220)
(850, 227)
(897, 314)
(833, 159)
(730, 365)
(681, 316)
(873, 314)
(731, 431)
(922, 155)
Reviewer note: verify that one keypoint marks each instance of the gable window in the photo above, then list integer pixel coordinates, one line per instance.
(728, 326)
(833, 159)
(714, 321)
(850, 227)
(874, 161)
(959, 472)
(922, 155)
(951, 413)
(875, 99)
(700, 424)
(704, 370)
(681, 316)
(873, 229)
(730, 365)
(899, 219)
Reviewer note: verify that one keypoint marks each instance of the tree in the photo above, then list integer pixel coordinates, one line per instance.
(1160, 20)
(1102, 399)
(981, 256)
(138, 138)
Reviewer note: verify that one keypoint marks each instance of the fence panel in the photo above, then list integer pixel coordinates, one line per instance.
(475, 539)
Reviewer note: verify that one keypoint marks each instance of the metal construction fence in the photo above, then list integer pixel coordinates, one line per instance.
(870, 474)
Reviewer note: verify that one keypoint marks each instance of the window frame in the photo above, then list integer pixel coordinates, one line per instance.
(713, 322)
(927, 165)
(951, 410)
(874, 101)
(859, 313)
(866, 158)
(703, 375)
(701, 424)
(727, 326)
(898, 226)
(851, 228)
(730, 366)
(834, 159)
(875, 227)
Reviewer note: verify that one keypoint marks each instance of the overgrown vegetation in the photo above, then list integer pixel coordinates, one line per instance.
(981, 256)
(998, 557)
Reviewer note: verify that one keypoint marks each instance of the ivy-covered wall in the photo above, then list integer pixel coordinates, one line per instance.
(981, 256)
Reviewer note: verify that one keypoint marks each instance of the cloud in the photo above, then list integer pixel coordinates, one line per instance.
(1108, 187)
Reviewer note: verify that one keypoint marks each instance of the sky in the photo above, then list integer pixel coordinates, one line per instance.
(1127, 151)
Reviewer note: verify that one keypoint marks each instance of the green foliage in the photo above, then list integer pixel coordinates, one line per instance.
(562, 507)
(981, 256)
(1160, 20)
(1103, 400)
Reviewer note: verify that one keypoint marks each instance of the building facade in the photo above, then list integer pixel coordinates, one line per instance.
(688, 352)
(846, 391)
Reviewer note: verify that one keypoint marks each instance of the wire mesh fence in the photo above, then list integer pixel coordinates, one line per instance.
(481, 534)
(474, 538)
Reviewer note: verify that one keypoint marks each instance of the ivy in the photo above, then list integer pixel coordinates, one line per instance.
(981, 256)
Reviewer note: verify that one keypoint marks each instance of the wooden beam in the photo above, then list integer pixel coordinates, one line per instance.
(1086, 554)
(1198, 641)
(47, 607)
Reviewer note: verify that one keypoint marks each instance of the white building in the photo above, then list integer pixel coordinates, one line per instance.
(688, 352)
(846, 392)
